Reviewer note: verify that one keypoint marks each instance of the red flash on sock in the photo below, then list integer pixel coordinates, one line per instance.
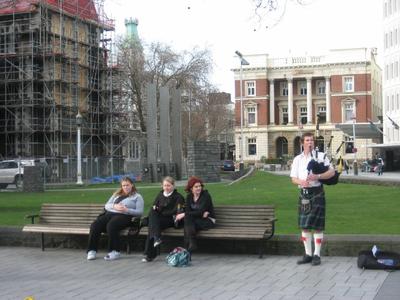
(318, 241)
(303, 239)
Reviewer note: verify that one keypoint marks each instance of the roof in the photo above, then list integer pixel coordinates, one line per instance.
(384, 146)
(361, 130)
(82, 8)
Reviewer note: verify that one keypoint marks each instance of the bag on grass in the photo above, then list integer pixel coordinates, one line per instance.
(376, 259)
(179, 257)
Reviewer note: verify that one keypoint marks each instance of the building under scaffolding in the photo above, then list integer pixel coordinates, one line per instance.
(55, 61)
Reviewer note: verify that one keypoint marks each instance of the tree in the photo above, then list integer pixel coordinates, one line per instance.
(157, 63)
(272, 11)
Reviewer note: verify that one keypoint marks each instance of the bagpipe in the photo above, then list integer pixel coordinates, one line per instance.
(319, 167)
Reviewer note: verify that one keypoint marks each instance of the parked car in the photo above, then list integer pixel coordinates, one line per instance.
(12, 172)
(228, 165)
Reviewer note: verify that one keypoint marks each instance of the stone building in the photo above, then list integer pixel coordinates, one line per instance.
(390, 148)
(56, 62)
(282, 97)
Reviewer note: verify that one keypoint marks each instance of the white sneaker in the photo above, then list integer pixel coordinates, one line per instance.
(113, 255)
(91, 255)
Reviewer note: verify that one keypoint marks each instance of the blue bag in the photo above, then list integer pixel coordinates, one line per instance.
(179, 257)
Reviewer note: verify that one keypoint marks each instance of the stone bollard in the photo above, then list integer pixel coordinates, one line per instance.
(33, 179)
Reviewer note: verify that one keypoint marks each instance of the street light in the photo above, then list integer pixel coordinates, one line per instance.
(79, 120)
(355, 166)
(243, 62)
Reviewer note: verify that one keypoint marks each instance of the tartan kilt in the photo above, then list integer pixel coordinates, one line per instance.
(312, 218)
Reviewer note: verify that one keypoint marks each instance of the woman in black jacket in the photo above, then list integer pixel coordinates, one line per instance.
(161, 216)
(199, 212)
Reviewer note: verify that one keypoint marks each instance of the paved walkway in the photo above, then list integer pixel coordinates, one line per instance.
(370, 176)
(65, 274)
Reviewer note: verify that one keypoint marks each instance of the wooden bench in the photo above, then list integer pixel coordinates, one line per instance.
(71, 218)
(236, 222)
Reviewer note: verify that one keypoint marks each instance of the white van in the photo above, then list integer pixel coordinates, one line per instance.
(12, 172)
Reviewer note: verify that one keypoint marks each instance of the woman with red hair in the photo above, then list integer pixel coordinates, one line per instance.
(199, 212)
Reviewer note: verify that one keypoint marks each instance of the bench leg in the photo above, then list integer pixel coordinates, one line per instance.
(261, 249)
(42, 241)
(128, 245)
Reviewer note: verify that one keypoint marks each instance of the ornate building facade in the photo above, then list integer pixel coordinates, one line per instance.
(390, 149)
(282, 97)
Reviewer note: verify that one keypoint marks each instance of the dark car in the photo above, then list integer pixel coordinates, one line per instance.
(228, 165)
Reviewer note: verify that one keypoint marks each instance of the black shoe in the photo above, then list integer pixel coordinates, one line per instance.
(147, 259)
(316, 260)
(306, 259)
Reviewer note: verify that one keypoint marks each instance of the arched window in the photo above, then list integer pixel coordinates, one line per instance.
(297, 148)
(281, 147)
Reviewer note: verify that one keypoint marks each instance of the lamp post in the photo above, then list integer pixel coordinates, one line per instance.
(355, 166)
(79, 120)
(243, 62)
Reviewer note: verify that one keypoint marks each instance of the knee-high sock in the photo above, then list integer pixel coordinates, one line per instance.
(306, 237)
(318, 237)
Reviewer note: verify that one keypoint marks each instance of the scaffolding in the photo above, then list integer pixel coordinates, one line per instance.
(56, 61)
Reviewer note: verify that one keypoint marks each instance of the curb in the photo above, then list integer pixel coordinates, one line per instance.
(285, 244)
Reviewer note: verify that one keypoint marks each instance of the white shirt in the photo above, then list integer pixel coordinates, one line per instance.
(300, 163)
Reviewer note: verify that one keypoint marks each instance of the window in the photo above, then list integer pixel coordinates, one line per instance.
(133, 150)
(302, 88)
(349, 143)
(321, 111)
(396, 69)
(320, 87)
(252, 146)
(284, 116)
(251, 115)
(303, 115)
(391, 39)
(386, 41)
(392, 103)
(397, 101)
(391, 73)
(387, 103)
(251, 88)
(284, 89)
(349, 112)
(348, 83)
(386, 72)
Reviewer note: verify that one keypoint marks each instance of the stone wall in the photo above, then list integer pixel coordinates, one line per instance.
(334, 245)
(204, 160)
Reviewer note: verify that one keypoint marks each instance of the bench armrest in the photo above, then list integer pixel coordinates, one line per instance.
(271, 234)
(134, 227)
(272, 220)
(32, 217)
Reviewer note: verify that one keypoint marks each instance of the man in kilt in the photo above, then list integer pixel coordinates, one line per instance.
(312, 198)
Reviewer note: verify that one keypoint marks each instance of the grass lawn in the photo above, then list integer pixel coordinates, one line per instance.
(351, 208)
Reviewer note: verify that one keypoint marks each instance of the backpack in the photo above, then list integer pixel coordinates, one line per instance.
(179, 257)
(378, 260)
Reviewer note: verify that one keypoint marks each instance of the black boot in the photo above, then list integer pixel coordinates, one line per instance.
(306, 259)
(192, 245)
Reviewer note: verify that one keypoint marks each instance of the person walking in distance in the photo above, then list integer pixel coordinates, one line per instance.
(311, 210)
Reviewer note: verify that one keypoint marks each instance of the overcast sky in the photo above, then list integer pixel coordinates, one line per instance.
(225, 26)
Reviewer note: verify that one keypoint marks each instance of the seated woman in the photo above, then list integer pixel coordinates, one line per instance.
(199, 212)
(124, 204)
(161, 216)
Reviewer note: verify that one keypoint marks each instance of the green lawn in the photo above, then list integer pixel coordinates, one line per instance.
(351, 208)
